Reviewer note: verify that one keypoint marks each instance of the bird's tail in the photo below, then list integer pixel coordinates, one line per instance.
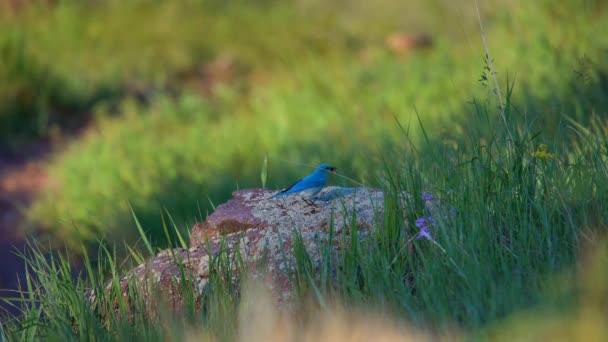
(280, 194)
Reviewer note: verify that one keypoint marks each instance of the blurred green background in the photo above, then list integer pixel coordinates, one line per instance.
(173, 104)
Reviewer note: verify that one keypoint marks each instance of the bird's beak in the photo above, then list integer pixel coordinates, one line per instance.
(332, 169)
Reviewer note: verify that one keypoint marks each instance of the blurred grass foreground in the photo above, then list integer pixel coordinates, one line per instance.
(167, 107)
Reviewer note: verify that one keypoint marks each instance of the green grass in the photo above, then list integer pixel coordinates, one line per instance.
(525, 220)
(59, 61)
(522, 220)
(181, 153)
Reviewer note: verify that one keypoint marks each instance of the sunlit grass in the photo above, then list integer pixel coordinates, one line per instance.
(59, 60)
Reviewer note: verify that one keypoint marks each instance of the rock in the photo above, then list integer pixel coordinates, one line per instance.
(254, 211)
(260, 231)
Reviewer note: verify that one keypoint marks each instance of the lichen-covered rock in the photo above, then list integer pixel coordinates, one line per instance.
(254, 209)
(253, 227)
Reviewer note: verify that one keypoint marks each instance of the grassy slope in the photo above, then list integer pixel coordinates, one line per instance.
(180, 153)
(59, 62)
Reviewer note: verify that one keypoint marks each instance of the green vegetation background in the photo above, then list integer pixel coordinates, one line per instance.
(309, 82)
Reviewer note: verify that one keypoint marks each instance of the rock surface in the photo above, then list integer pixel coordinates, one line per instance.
(260, 231)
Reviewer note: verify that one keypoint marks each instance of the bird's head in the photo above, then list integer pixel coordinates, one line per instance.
(326, 167)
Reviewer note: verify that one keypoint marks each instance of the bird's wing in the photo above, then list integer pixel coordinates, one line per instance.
(305, 183)
(289, 188)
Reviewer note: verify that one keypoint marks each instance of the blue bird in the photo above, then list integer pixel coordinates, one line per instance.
(310, 185)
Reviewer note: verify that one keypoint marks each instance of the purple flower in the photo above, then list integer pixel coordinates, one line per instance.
(424, 233)
(427, 196)
(424, 221)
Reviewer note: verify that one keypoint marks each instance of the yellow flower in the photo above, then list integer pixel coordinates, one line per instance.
(542, 153)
